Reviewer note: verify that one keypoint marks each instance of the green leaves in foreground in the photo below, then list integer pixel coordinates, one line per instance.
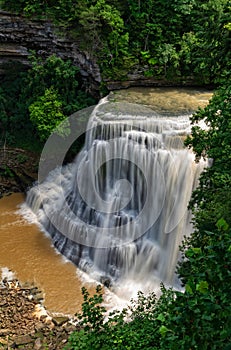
(196, 318)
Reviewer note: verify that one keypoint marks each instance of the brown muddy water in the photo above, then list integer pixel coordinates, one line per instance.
(165, 100)
(29, 253)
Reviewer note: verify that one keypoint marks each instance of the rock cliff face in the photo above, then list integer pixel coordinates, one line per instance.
(18, 35)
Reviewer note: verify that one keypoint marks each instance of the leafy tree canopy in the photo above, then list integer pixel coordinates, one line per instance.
(214, 142)
(166, 39)
(33, 102)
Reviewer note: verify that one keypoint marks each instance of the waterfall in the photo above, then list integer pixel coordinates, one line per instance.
(119, 211)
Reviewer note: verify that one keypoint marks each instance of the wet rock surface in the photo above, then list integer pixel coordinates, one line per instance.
(24, 322)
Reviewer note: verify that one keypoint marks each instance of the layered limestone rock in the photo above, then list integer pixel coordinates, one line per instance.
(19, 35)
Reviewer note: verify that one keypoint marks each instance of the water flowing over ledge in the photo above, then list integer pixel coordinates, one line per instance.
(119, 211)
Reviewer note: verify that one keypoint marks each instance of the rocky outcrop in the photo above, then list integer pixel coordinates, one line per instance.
(18, 35)
(26, 324)
(141, 81)
(138, 78)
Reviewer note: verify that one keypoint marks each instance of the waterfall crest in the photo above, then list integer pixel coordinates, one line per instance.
(119, 211)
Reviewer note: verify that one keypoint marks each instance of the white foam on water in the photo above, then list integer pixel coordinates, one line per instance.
(28, 214)
(7, 273)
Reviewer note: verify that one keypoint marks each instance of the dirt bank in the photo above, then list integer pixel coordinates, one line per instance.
(18, 170)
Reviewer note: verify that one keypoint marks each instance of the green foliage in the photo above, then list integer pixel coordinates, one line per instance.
(22, 158)
(116, 332)
(13, 107)
(196, 318)
(46, 113)
(59, 81)
(92, 311)
(215, 143)
(103, 29)
(184, 39)
(61, 75)
(205, 267)
(211, 54)
(204, 308)
(33, 102)
(7, 172)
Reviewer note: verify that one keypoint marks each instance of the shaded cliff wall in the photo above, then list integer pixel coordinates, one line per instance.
(18, 35)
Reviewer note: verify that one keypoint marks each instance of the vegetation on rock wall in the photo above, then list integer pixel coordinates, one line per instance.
(176, 40)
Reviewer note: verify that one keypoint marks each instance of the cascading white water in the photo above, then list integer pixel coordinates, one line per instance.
(119, 211)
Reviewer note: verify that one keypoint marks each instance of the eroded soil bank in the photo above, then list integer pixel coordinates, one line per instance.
(18, 170)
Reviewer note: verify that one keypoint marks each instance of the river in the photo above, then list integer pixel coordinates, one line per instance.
(29, 253)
